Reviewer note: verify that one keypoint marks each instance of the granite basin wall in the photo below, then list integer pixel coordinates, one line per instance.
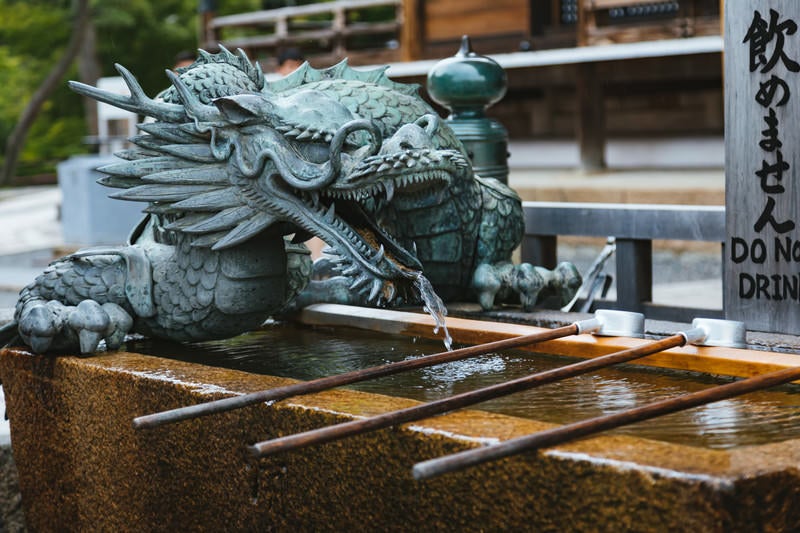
(82, 467)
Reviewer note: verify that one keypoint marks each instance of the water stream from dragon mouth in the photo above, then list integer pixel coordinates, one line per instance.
(433, 305)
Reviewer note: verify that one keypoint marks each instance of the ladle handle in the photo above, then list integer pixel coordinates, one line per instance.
(338, 380)
(425, 410)
(583, 428)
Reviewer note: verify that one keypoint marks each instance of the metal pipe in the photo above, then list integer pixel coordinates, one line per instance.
(583, 428)
(356, 427)
(329, 382)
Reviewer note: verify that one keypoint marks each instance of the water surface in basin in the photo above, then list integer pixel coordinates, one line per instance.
(303, 352)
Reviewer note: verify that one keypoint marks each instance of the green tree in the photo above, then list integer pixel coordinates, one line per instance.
(18, 134)
(143, 35)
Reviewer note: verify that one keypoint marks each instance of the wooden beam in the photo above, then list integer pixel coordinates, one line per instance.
(411, 31)
(708, 359)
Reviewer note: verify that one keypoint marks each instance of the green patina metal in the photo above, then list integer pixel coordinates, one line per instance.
(467, 84)
(237, 172)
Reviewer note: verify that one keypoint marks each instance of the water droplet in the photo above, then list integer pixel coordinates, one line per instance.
(434, 306)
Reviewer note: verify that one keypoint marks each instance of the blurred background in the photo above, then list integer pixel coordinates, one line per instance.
(667, 93)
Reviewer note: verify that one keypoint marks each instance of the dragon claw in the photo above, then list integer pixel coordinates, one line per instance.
(487, 282)
(39, 326)
(532, 284)
(528, 283)
(44, 326)
(120, 324)
(90, 322)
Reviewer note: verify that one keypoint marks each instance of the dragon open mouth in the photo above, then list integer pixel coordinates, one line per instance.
(343, 190)
(347, 219)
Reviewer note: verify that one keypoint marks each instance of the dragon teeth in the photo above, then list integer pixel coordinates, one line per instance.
(392, 292)
(376, 287)
(378, 257)
(361, 280)
(330, 214)
(389, 186)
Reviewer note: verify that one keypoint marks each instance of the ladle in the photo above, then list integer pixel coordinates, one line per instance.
(612, 320)
(698, 334)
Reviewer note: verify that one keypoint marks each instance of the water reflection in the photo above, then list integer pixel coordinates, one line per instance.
(306, 353)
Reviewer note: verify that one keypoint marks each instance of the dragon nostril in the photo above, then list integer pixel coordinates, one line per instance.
(429, 122)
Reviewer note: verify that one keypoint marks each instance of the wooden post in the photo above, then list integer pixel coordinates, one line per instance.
(540, 250)
(339, 27)
(634, 273)
(590, 121)
(208, 35)
(762, 152)
(410, 34)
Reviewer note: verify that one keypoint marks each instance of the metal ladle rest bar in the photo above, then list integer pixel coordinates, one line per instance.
(732, 335)
(583, 428)
(616, 322)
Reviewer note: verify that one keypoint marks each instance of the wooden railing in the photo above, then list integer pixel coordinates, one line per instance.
(634, 227)
(322, 29)
(625, 21)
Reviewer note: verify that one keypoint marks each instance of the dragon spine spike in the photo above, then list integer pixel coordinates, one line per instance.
(160, 193)
(215, 200)
(245, 230)
(224, 220)
(208, 175)
(172, 133)
(201, 153)
(208, 240)
(306, 74)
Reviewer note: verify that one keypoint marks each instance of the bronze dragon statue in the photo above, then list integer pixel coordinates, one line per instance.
(236, 172)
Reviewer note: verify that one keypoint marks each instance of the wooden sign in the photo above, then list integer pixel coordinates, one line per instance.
(762, 150)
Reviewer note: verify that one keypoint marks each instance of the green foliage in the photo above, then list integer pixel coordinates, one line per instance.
(143, 35)
(34, 29)
(34, 34)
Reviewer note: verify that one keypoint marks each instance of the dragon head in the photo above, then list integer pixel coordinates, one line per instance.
(320, 158)
(331, 172)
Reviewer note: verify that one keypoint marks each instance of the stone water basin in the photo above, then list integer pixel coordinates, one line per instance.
(722, 468)
(297, 351)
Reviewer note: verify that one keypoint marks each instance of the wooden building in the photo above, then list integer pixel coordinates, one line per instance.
(585, 68)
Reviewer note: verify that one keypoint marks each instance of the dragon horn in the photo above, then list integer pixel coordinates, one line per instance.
(138, 102)
(194, 107)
